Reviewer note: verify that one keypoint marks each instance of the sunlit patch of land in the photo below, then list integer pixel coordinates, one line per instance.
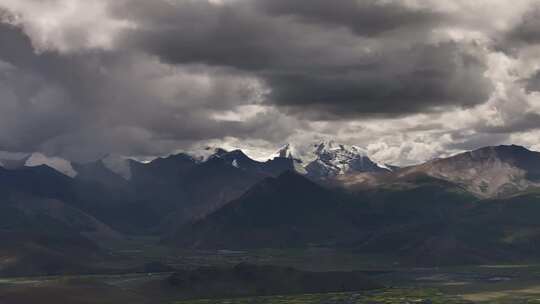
(525, 295)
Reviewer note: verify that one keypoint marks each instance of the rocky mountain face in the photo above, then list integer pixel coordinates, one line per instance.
(287, 151)
(335, 159)
(328, 160)
(488, 172)
(271, 167)
(43, 229)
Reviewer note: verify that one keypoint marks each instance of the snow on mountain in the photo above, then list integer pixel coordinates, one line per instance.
(59, 164)
(291, 152)
(202, 155)
(337, 159)
(329, 159)
(287, 151)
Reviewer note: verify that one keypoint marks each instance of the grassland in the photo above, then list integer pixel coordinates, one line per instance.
(487, 284)
(387, 296)
(497, 284)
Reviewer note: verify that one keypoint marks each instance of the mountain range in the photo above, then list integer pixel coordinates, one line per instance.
(473, 207)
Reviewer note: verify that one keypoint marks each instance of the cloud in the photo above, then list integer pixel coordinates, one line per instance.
(423, 78)
(327, 57)
(528, 29)
(90, 103)
(409, 79)
(65, 25)
(364, 18)
(533, 83)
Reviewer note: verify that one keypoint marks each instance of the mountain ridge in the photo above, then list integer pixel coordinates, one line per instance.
(487, 172)
(232, 201)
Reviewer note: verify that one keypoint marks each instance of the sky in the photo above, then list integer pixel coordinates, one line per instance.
(408, 80)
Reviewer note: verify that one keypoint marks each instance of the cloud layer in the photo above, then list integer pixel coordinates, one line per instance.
(407, 79)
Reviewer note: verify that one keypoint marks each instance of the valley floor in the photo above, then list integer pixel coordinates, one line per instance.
(502, 285)
(403, 284)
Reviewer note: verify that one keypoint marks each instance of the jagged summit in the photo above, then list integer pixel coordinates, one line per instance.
(237, 158)
(326, 146)
(287, 151)
(205, 153)
(332, 159)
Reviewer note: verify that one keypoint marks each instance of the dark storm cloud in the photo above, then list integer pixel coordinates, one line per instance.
(528, 29)
(365, 18)
(141, 77)
(84, 104)
(312, 61)
(533, 83)
(419, 79)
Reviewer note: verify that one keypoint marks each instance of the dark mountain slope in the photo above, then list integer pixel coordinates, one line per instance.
(46, 236)
(97, 172)
(41, 181)
(420, 225)
(484, 231)
(287, 211)
(509, 225)
(180, 189)
(160, 183)
(166, 168)
(115, 206)
(214, 183)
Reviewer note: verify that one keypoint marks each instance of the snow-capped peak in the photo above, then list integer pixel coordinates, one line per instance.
(202, 155)
(332, 159)
(286, 151)
(339, 150)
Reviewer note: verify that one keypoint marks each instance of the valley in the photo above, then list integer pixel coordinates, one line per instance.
(503, 283)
